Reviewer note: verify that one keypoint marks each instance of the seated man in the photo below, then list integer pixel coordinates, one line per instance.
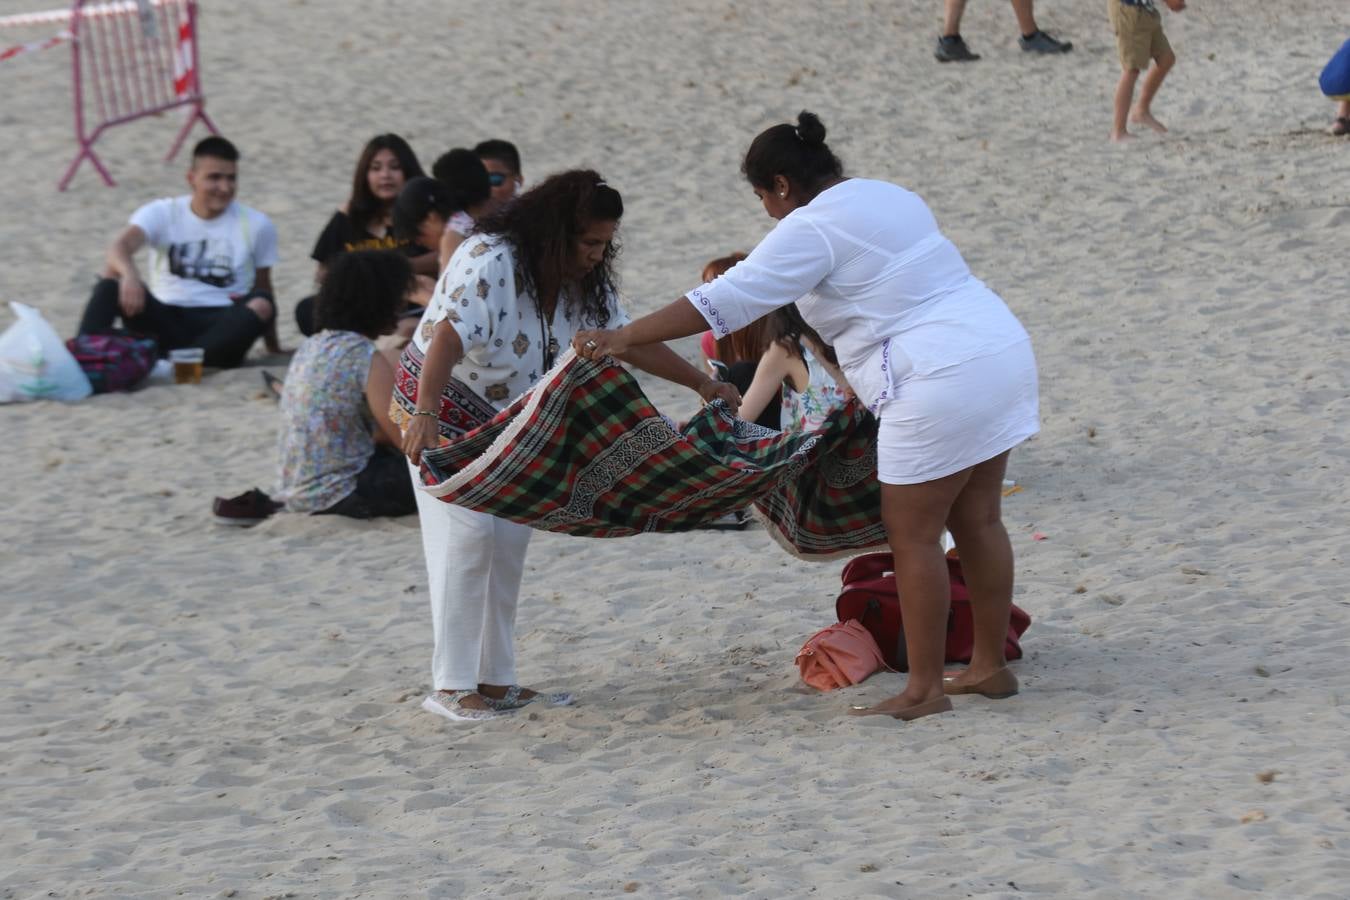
(211, 267)
(502, 160)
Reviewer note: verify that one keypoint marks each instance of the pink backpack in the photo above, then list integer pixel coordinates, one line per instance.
(841, 655)
(113, 362)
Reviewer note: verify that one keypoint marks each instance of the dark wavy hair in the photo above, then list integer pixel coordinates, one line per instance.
(364, 291)
(544, 224)
(363, 207)
(797, 152)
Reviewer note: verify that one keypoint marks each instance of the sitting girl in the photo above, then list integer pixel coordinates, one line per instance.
(799, 363)
(337, 446)
(788, 378)
(365, 221)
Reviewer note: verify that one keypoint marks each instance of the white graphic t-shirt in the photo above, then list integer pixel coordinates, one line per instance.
(204, 262)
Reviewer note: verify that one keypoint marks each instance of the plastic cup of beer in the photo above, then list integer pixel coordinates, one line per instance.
(187, 365)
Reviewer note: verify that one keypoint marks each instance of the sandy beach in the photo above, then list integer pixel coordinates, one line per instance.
(190, 710)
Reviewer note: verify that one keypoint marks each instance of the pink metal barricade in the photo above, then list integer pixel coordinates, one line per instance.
(132, 60)
(129, 59)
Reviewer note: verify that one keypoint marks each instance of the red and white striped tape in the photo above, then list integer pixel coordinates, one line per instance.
(184, 75)
(62, 16)
(34, 46)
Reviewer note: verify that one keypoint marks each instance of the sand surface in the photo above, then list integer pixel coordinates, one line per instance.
(187, 710)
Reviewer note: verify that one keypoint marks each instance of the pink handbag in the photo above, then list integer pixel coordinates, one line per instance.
(843, 654)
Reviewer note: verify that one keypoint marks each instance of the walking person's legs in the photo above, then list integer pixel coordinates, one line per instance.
(1026, 16)
(1123, 99)
(950, 46)
(1142, 112)
(1032, 39)
(952, 11)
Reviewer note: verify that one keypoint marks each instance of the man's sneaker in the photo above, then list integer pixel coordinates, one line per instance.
(952, 48)
(1040, 42)
(247, 509)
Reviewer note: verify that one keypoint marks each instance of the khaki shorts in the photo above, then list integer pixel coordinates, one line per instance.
(1139, 35)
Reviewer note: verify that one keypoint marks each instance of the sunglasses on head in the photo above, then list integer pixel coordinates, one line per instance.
(496, 179)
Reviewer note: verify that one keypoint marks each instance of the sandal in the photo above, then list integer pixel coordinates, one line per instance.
(446, 704)
(1341, 126)
(512, 699)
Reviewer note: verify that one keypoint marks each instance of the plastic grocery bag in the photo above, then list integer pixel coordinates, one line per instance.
(35, 364)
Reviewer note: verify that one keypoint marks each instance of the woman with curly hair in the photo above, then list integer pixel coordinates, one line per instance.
(928, 347)
(534, 273)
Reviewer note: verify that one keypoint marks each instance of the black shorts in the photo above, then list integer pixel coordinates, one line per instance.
(384, 488)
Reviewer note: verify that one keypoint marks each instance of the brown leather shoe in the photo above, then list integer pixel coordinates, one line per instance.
(997, 686)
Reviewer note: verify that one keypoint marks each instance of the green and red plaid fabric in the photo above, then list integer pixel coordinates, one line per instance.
(585, 453)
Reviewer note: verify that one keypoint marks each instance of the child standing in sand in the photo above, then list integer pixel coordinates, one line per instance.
(1139, 39)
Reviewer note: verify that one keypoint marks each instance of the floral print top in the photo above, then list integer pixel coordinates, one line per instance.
(482, 294)
(809, 409)
(327, 431)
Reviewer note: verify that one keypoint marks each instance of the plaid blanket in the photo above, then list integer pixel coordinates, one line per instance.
(584, 452)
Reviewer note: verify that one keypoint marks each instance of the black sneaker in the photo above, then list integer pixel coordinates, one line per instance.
(249, 508)
(1040, 42)
(953, 48)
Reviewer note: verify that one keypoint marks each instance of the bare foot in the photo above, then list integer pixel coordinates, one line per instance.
(905, 708)
(1144, 117)
(1120, 137)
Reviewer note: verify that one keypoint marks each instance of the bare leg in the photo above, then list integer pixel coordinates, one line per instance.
(976, 523)
(953, 10)
(914, 515)
(1124, 96)
(1026, 17)
(1342, 123)
(1142, 112)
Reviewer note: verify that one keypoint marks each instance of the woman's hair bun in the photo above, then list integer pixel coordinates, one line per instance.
(810, 129)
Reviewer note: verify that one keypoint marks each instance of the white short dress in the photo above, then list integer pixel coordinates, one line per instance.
(931, 350)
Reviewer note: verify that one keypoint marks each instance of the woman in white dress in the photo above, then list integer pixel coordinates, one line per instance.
(937, 356)
(513, 293)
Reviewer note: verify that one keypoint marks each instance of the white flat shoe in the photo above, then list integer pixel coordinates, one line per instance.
(446, 704)
(512, 699)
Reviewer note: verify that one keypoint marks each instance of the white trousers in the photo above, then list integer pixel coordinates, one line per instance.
(474, 565)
